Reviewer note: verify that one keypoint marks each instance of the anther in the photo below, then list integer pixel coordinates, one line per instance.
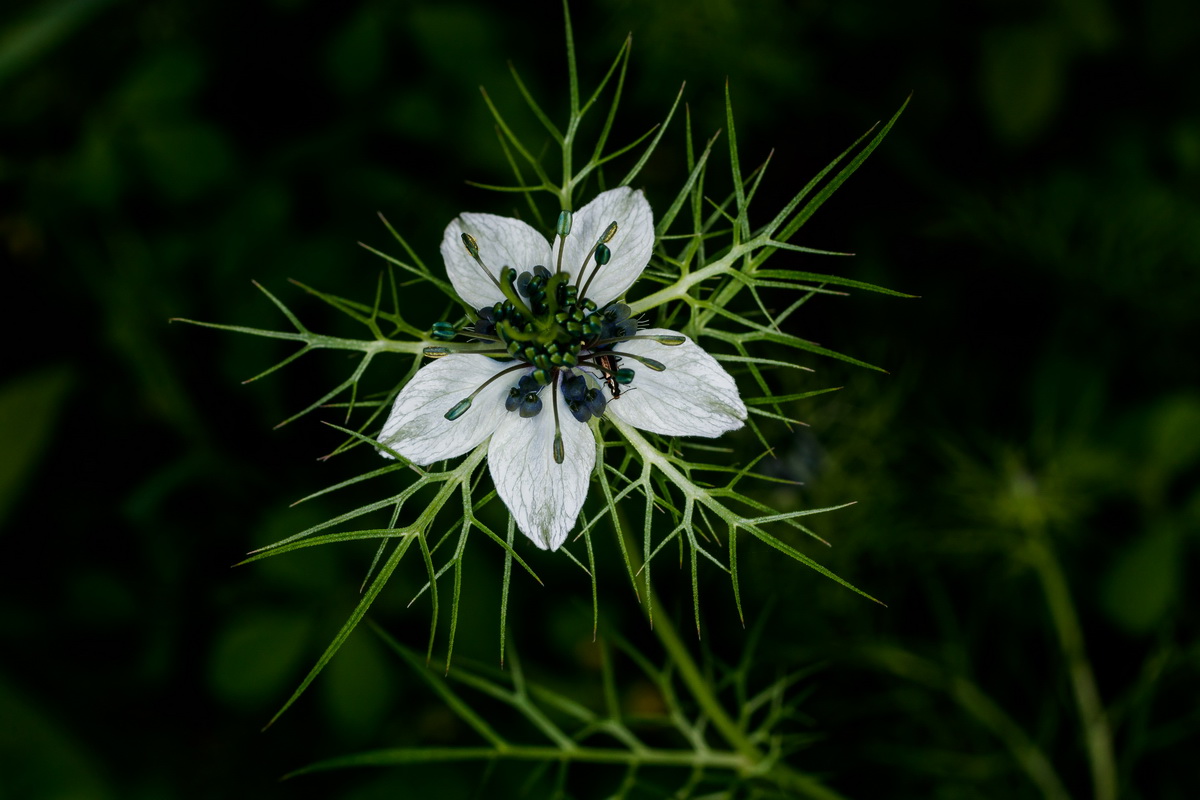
(669, 341)
(473, 248)
(616, 312)
(459, 409)
(486, 324)
(657, 366)
(472, 245)
(520, 393)
(603, 254)
(523, 281)
(531, 405)
(443, 331)
(563, 229)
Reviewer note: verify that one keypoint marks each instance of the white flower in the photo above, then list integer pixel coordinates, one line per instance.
(559, 359)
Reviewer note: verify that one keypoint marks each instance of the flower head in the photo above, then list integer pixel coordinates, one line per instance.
(553, 351)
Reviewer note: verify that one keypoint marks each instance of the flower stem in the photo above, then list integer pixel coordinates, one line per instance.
(1097, 735)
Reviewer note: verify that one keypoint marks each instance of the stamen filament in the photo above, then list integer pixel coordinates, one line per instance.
(437, 350)
(559, 453)
(440, 352)
(605, 238)
(565, 219)
(461, 406)
(669, 341)
(657, 366)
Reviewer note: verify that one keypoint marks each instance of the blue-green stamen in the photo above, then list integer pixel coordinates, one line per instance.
(546, 324)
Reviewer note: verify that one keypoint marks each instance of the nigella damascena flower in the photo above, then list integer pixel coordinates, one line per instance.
(553, 349)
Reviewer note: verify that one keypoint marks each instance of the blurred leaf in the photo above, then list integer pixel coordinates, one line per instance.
(455, 39)
(1022, 79)
(162, 83)
(97, 177)
(1090, 21)
(39, 760)
(357, 692)
(186, 159)
(101, 600)
(1143, 582)
(33, 37)
(1185, 146)
(28, 410)
(1174, 440)
(355, 56)
(255, 655)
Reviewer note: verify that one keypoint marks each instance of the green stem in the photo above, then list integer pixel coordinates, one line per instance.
(680, 288)
(593, 755)
(1097, 735)
(975, 702)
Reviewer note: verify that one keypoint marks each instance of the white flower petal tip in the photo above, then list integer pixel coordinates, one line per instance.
(631, 246)
(693, 396)
(543, 496)
(417, 427)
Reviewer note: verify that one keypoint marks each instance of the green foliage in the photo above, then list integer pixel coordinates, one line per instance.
(576, 734)
(28, 408)
(156, 157)
(718, 255)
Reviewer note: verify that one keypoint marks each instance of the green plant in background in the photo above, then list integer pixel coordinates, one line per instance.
(545, 370)
(1045, 398)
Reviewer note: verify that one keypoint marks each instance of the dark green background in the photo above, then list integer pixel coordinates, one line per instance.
(1040, 195)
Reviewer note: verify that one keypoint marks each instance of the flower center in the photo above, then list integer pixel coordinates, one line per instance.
(548, 325)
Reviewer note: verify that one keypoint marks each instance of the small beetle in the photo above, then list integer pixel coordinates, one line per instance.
(608, 365)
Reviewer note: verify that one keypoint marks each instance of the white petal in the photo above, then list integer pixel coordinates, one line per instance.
(503, 242)
(693, 396)
(418, 429)
(544, 497)
(631, 247)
